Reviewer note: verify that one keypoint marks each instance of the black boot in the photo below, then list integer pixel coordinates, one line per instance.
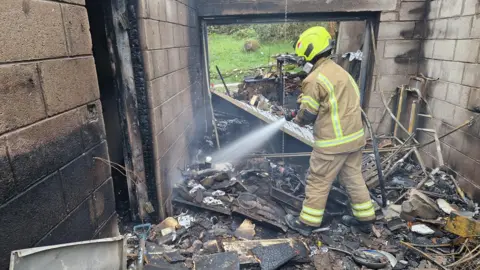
(364, 226)
(295, 224)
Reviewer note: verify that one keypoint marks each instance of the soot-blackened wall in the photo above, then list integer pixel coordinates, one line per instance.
(170, 41)
(51, 126)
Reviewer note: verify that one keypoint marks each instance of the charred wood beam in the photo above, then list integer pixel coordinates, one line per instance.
(124, 75)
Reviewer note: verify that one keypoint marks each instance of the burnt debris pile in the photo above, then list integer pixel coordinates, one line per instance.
(265, 87)
(231, 216)
(271, 87)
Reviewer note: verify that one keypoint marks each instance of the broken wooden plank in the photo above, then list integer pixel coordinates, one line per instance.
(128, 108)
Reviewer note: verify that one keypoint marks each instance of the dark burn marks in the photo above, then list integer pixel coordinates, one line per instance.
(420, 31)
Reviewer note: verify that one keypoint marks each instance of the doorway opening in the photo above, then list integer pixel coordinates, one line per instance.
(251, 59)
(246, 47)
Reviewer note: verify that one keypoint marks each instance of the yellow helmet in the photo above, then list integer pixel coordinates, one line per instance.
(313, 41)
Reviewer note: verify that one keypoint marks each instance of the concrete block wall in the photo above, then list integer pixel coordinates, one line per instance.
(451, 53)
(439, 39)
(398, 49)
(51, 126)
(172, 61)
(350, 39)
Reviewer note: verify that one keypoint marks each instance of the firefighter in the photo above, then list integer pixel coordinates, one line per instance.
(331, 100)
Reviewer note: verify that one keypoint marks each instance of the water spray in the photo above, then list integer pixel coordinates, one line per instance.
(248, 143)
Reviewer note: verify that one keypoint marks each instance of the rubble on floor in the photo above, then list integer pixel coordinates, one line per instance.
(232, 217)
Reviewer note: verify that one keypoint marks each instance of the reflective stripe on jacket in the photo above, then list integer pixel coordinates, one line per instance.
(330, 93)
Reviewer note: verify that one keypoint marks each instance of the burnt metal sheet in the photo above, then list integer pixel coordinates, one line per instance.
(220, 210)
(218, 261)
(243, 248)
(304, 134)
(107, 253)
(274, 256)
(337, 200)
(286, 198)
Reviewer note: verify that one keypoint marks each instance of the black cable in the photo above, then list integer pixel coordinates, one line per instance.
(378, 162)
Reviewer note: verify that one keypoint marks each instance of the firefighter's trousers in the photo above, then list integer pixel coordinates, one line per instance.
(323, 171)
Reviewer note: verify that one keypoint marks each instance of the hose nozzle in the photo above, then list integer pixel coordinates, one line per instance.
(290, 115)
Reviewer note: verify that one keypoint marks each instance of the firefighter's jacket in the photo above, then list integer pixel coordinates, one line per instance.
(331, 99)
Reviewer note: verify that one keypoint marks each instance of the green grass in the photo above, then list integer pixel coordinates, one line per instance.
(234, 63)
